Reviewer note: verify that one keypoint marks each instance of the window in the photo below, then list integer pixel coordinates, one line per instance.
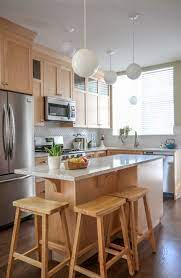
(154, 112)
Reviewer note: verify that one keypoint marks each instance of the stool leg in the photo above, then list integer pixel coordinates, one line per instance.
(134, 236)
(44, 270)
(73, 260)
(101, 246)
(136, 215)
(108, 238)
(126, 240)
(37, 236)
(66, 232)
(149, 224)
(13, 243)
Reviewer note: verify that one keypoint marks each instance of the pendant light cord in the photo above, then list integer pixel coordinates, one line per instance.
(110, 63)
(133, 41)
(85, 24)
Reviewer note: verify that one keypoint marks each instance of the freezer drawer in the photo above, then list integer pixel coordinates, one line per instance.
(13, 187)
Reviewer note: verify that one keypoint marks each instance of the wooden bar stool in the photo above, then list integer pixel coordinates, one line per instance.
(133, 194)
(99, 208)
(40, 208)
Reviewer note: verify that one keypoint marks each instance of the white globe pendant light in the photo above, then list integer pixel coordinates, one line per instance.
(133, 71)
(133, 100)
(84, 61)
(110, 76)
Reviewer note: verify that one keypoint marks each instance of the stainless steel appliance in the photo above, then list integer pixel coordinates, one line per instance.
(58, 109)
(16, 149)
(168, 170)
(42, 142)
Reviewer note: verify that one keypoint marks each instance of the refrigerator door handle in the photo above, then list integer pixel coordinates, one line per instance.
(5, 131)
(15, 179)
(12, 132)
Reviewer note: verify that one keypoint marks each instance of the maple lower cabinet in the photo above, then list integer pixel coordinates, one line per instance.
(64, 82)
(114, 152)
(79, 98)
(91, 110)
(49, 79)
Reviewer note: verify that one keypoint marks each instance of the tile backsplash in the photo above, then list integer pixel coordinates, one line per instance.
(51, 129)
(150, 141)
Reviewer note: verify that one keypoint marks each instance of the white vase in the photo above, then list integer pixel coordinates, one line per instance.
(53, 162)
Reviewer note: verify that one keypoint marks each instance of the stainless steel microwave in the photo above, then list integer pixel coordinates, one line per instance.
(58, 109)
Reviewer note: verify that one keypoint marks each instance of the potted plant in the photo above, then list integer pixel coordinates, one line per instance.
(54, 154)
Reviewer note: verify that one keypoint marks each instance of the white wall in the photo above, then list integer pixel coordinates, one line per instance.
(155, 140)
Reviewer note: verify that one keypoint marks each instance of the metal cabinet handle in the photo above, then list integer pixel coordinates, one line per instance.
(5, 131)
(4, 83)
(12, 131)
(15, 179)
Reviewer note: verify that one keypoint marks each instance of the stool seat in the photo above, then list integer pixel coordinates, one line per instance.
(101, 206)
(132, 193)
(39, 205)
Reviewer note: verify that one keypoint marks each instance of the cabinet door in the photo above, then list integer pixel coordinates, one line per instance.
(79, 97)
(64, 84)
(2, 80)
(18, 66)
(50, 79)
(38, 103)
(91, 110)
(100, 154)
(104, 111)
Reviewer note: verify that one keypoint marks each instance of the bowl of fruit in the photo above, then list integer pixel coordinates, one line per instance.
(76, 163)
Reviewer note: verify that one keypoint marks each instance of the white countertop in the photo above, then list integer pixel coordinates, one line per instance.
(96, 167)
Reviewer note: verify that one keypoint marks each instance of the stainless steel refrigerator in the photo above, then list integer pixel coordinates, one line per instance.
(16, 149)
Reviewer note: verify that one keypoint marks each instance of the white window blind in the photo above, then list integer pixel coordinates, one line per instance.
(154, 112)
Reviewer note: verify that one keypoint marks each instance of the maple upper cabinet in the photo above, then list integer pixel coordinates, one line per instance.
(79, 95)
(103, 104)
(80, 99)
(1, 62)
(49, 79)
(92, 103)
(64, 82)
(91, 110)
(38, 91)
(16, 57)
(38, 103)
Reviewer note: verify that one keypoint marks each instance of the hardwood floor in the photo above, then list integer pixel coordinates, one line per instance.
(165, 264)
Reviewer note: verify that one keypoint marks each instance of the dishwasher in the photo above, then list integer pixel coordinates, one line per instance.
(168, 170)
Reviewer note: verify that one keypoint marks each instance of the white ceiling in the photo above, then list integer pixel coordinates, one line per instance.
(158, 32)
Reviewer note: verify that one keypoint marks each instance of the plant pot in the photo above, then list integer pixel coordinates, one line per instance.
(53, 162)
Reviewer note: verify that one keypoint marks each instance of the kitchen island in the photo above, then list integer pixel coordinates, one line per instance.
(104, 175)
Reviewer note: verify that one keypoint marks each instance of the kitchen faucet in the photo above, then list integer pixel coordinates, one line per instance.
(136, 141)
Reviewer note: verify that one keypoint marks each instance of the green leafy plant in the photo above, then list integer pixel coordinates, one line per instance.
(55, 150)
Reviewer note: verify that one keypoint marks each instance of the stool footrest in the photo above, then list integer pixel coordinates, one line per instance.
(86, 272)
(118, 255)
(58, 267)
(29, 252)
(28, 260)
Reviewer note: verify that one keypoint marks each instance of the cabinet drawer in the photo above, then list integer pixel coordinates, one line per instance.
(41, 161)
(114, 152)
(100, 154)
